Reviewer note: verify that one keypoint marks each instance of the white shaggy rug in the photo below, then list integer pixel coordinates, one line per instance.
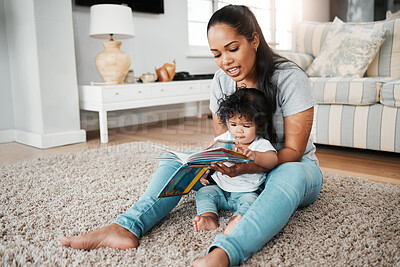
(354, 222)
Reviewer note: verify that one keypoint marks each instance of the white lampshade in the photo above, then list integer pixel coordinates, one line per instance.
(106, 19)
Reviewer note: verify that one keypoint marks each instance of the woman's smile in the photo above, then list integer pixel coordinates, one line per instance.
(233, 72)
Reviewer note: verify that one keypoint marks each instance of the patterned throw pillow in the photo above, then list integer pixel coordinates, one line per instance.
(347, 51)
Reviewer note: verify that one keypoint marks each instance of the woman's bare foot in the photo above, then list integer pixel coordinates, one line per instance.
(113, 236)
(232, 223)
(216, 258)
(206, 221)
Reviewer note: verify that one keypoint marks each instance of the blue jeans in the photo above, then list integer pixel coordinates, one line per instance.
(288, 186)
(149, 209)
(211, 198)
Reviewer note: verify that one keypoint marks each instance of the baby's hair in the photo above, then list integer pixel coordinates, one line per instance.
(251, 104)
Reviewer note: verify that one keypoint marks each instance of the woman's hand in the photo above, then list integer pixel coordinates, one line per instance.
(238, 168)
(232, 171)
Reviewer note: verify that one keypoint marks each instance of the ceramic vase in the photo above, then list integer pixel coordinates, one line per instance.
(112, 63)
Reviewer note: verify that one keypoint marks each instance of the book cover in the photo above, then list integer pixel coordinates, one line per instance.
(194, 166)
(183, 180)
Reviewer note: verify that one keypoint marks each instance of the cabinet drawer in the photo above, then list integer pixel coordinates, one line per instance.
(125, 94)
(173, 90)
(205, 87)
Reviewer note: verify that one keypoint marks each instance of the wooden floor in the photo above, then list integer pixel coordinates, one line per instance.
(192, 132)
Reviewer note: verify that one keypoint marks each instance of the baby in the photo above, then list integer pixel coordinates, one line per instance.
(248, 122)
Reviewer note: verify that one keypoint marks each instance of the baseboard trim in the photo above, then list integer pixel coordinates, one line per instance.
(50, 140)
(7, 136)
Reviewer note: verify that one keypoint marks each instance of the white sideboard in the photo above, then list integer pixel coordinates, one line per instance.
(103, 98)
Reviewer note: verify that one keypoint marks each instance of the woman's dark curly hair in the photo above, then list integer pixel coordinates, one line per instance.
(249, 103)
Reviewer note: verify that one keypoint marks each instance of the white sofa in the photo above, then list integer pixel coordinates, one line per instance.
(360, 112)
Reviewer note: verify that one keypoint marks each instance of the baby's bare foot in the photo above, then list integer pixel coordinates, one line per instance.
(113, 236)
(207, 223)
(215, 258)
(232, 223)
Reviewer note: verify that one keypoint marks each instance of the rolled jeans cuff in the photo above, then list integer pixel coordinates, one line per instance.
(205, 206)
(230, 246)
(122, 223)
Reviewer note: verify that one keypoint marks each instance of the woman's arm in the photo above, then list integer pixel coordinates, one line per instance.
(297, 132)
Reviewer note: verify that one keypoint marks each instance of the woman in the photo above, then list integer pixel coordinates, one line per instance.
(245, 59)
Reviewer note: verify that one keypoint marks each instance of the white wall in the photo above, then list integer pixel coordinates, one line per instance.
(22, 44)
(6, 107)
(57, 66)
(42, 72)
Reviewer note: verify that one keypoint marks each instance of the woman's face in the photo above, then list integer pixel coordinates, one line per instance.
(234, 54)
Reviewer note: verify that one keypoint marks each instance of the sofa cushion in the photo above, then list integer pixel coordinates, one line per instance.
(312, 35)
(390, 93)
(349, 90)
(301, 59)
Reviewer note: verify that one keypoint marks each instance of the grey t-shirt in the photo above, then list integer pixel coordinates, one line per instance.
(294, 95)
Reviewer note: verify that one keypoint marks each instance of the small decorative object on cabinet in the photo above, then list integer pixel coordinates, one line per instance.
(148, 77)
(130, 77)
(166, 73)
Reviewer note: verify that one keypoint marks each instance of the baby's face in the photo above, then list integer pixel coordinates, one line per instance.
(243, 130)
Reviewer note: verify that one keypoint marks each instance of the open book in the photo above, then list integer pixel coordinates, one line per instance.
(194, 166)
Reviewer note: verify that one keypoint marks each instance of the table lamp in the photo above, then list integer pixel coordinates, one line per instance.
(108, 22)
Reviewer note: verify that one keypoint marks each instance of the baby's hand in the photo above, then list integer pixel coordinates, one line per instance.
(204, 181)
(247, 152)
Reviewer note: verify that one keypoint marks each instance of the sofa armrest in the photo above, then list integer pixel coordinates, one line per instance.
(390, 93)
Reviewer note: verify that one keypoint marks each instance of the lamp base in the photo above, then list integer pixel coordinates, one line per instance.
(112, 63)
